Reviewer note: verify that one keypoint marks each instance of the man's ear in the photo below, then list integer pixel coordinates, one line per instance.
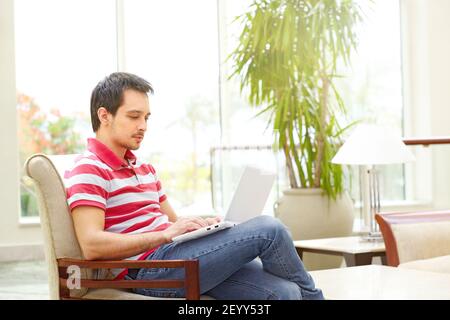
(103, 116)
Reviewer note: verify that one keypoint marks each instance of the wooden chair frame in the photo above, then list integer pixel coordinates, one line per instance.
(190, 283)
(386, 220)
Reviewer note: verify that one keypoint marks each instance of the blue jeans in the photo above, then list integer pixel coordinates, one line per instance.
(254, 260)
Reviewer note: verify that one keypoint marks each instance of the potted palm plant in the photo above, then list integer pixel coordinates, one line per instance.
(286, 61)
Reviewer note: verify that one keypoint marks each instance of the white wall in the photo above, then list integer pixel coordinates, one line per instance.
(439, 44)
(426, 44)
(16, 241)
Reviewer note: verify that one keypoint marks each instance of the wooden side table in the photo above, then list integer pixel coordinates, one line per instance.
(355, 251)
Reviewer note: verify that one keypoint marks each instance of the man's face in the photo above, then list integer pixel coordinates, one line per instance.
(129, 124)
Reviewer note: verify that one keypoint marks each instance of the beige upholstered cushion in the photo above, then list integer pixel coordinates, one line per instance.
(120, 294)
(424, 240)
(41, 169)
(116, 294)
(438, 264)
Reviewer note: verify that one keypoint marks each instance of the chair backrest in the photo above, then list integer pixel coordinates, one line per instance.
(60, 240)
(410, 236)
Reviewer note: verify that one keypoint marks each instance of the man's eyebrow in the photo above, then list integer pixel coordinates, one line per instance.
(137, 111)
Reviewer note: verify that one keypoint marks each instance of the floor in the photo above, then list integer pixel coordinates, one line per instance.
(25, 280)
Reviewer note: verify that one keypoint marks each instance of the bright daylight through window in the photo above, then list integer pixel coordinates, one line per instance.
(182, 53)
(59, 59)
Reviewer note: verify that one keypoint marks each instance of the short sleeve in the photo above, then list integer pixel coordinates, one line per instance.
(86, 185)
(161, 194)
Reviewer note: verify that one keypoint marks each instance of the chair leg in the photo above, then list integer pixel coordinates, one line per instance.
(192, 283)
(64, 292)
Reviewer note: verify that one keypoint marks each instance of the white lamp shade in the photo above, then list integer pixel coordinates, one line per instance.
(373, 145)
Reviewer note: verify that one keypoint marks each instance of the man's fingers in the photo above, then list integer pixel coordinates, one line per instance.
(191, 226)
(200, 221)
(213, 220)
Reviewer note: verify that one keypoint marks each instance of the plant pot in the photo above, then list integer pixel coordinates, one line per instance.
(310, 214)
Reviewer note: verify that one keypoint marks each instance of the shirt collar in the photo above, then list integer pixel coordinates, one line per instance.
(107, 156)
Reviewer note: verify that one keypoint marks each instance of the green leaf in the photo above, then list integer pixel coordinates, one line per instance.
(287, 50)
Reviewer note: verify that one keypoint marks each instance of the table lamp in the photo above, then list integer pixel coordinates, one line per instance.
(368, 146)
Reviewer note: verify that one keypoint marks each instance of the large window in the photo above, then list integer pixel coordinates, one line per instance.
(174, 45)
(63, 48)
(246, 139)
(371, 88)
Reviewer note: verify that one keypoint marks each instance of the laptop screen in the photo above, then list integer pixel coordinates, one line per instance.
(251, 195)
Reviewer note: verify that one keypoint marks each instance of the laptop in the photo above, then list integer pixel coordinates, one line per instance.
(248, 202)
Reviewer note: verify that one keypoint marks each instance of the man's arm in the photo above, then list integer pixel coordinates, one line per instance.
(98, 244)
(167, 209)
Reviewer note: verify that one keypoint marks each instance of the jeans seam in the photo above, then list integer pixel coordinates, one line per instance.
(281, 263)
(169, 293)
(288, 274)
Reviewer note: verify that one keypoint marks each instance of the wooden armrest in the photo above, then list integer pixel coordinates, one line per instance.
(190, 283)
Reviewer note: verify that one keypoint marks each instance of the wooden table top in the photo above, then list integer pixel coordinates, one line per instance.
(343, 244)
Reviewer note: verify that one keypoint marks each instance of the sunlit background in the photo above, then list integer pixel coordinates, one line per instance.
(202, 131)
(63, 48)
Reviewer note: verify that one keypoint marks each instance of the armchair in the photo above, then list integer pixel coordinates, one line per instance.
(62, 249)
(417, 240)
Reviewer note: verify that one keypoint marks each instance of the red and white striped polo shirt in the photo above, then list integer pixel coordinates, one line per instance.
(129, 192)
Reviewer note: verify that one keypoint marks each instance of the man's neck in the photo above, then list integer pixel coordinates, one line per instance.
(117, 150)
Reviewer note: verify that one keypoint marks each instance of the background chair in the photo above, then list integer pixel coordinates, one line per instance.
(417, 240)
(62, 249)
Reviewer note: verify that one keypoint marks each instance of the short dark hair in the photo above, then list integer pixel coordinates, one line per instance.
(109, 93)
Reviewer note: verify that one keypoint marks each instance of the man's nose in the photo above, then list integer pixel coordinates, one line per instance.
(142, 125)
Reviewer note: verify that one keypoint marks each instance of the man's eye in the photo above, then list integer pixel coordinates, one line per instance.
(134, 117)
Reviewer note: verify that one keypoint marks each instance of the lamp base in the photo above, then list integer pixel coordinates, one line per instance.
(372, 237)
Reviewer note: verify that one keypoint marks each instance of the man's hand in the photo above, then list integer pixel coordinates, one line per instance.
(188, 224)
(213, 220)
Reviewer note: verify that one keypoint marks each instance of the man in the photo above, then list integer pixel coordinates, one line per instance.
(120, 211)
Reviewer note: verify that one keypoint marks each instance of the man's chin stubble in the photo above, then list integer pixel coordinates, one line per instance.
(133, 147)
